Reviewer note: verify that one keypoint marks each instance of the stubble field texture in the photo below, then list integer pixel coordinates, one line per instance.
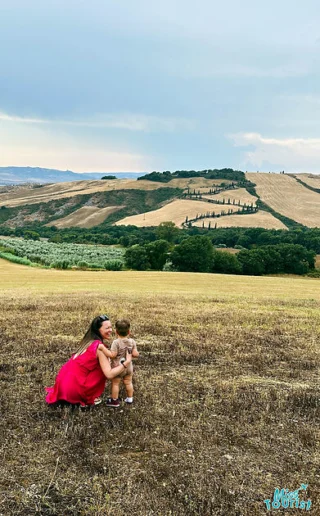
(310, 179)
(261, 219)
(226, 394)
(288, 197)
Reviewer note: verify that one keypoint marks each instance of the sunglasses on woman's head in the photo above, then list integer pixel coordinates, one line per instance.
(103, 318)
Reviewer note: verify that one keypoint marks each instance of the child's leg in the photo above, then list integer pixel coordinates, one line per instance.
(127, 380)
(115, 387)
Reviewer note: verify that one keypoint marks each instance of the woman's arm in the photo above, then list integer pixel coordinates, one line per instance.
(109, 372)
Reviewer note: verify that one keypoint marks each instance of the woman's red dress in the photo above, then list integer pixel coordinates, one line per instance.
(80, 380)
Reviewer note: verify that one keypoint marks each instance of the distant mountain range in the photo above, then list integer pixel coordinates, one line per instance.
(20, 175)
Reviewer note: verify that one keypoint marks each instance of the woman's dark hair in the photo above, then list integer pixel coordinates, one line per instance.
(92, 334)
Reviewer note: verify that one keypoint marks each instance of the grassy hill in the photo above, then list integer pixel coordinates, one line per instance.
(271, 201)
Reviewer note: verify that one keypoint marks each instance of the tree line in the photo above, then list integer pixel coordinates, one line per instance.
(166, 176)
(197, 254)
(127, 236)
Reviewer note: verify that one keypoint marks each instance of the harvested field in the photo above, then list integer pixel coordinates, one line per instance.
(240, 194)
(26, 195)
(309, 179)
(222, 416)
(175, 211)
(261, 219)
(288, 197)
(85, 217)
(19, 278)
(70, 189)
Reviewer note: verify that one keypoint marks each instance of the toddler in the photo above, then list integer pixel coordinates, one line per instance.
(118, 350)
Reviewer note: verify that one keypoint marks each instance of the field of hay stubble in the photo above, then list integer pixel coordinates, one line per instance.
(226, 396)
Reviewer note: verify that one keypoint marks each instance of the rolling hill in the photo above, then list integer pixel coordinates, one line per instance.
(287, 196)
(20, 175)
(260, 200)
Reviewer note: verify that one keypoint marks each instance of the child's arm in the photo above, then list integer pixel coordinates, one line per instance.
(105, 351)
(114, 351)
(135, 352)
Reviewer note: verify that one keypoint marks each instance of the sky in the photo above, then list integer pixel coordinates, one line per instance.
(136, 85)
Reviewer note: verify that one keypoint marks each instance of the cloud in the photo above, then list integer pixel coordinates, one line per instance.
(291, 154)
(38, 145)
(130, 122)
(73, 158)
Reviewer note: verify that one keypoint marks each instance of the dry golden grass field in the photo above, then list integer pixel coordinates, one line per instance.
(85, 217)
(261, 219)
(288, 197)
(240, 194)
(175, 211)
(226, 394)
(310, 179)
(19, 196)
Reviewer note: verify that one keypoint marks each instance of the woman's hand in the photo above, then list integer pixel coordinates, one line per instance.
(106, 367)
(128, 358)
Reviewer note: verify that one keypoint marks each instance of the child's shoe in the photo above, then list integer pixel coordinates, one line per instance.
(97, 401)
(113, 403)
(129, 400)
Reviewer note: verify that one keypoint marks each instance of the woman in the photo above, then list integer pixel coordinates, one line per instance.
(82, 379)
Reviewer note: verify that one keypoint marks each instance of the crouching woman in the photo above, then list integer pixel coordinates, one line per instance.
(83, 378)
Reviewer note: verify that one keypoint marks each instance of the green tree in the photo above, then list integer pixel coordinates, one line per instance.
(225, 263)
(31, 235)
(296, 258)
(136, 257)
(252, 262)
(194, 254)
(167, 231)
(56, 238)
(157, 253)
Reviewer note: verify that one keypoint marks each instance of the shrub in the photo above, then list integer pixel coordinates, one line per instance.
(82, 264)
(113, 265)
(31, 235)
(6, 249)
(168, 267)
(35, 258)
(314, 273)
(95, 265)
(22, 260)
(61, 264)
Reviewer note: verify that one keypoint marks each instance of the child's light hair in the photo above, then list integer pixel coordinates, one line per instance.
(122, 327)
